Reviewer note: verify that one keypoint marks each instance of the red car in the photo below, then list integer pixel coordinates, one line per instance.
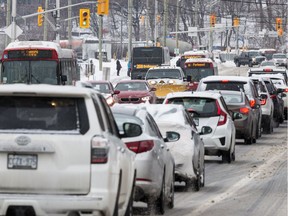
(135, 91)
(106, 89)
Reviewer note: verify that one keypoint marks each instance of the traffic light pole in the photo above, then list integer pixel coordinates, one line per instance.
(100, 42)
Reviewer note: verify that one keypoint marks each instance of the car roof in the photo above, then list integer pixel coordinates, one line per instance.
(98, 81)
(165, 67)
(45, 90)
(207, 94)
(230, 78)
(260, 69)
(132, 81)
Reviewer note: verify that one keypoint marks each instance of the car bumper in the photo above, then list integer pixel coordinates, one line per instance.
(92, 204)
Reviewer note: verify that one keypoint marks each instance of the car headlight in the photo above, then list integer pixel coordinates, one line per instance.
(146, 98)
(153, 82)
(110, 101)
(253, 59)
(171, 81)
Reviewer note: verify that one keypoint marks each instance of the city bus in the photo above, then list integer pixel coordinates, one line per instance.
(198, 68)
(144, 58)
(38, 62)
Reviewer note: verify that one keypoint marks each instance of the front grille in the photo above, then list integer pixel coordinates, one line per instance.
(129, 100)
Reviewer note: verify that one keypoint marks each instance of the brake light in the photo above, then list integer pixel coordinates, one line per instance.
(244, 110)
(222, 115)
(140, 146)
(224, 81)
(286, 90)
(263, 101)
(99, 150)
(252, 103)
(272, 96)
(211, 65)
(267, 70)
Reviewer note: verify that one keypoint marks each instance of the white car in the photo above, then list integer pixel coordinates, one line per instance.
(154, 162)
(280, 59)
(188, 151)
(212, 118)
(60, 153)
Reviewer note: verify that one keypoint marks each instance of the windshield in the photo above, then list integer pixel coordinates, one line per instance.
(167, 73)
(198, 73)
(279, 56)
(252, 54)
(151, 55)
(205, 107)
(231, 86)
(131, 86)
(267, 64)
(29, 72)
(101, 87)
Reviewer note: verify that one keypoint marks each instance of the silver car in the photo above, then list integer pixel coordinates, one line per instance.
(154, 162)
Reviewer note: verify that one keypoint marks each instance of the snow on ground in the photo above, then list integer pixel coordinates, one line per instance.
(98, 75)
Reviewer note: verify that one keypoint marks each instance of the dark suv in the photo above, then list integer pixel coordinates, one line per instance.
(249, 58)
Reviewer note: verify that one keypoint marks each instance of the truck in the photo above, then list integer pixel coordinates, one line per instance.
(249, 57)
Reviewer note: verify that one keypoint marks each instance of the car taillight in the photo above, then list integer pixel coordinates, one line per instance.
(140, 146)
(252, 103)
(244, 110)
(286, 90)
(99, 150)
(273, 96)
(267, 70)
(224, 81)
(222, 115)
(263, 101)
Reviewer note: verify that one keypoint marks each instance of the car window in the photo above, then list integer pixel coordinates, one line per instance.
(232, 98)
(98, 112)
(230, 85)
(224, 104)
(44, 113)
(154, 126)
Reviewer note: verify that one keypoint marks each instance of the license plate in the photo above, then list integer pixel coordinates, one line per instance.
(196, 121)
(16, 161)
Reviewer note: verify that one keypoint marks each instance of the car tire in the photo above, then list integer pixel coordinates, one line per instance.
(160, 202)
(248, 140)
(227, 156)
(196, 183)
(250, 64)
(172, 192)
(269, 127)
(115, 213)
(202, 175)
(238, 64)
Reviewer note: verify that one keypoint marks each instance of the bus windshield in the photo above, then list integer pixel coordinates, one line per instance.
(33, 72)
(159, 74)
(198, 73)
(151, 55)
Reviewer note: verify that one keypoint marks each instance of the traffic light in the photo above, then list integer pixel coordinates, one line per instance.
(103, 7)
(278, 24)
(158, 18)
(212, 20)
(280, 32)
(84, 18)
(236, 22)
(40, 16)
(142, 19)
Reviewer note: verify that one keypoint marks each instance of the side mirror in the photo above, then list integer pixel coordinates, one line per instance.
(116, 92)
(153, 89)
(237, 115)
(189, 78)
(279, 90)
(205, 130)
(171, 136)
(131, 130)
(283, 95)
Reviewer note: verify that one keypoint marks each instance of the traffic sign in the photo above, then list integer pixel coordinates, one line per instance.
(192, 31)
(9, 31)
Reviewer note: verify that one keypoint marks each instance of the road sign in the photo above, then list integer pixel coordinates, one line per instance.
(9, 31)
(192, 31)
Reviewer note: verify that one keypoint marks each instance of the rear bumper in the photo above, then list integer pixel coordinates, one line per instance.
(60, 205)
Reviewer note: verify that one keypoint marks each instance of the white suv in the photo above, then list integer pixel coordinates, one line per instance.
(212, 118)
(60, 153)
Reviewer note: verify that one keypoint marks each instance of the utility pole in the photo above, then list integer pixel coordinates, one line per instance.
(13, 24)
(129, 29)
(177, 23)
(8, 20)
(196, 22)
(156, 23)
(57, 22)
(45, 34)
(121, 37)
(165, 23)
(100, 41)
(147, 21)
(69, 24)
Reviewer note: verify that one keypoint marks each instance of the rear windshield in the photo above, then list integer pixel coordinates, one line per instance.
(204, 107)
(232, 98)
(65, 115)
(231, 86)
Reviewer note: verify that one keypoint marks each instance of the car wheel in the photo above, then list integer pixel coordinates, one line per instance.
(160, 202)
(196, 183)
(248, 140)
(250, 64)
(202, 176)
(172, 192)
(227, 156)
(269, 127)
(237, 64)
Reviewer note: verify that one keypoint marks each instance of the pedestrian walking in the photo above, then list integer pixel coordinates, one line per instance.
(129, 68)
(118, 67)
